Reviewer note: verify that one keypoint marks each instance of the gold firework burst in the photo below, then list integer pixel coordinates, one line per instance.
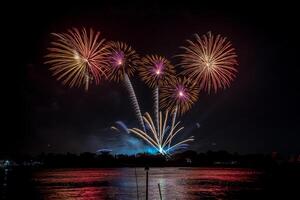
(211, 61)
(78, 57)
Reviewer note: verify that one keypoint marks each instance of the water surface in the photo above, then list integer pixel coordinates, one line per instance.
(123, 183)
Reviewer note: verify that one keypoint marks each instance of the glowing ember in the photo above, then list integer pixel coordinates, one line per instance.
(181, 94)
(119, 62)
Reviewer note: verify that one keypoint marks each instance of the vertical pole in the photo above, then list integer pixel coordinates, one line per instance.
(137, 186)
(159, 192)
(147, 169)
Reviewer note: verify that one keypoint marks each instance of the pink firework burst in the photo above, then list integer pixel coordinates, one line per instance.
(180, 94)
(156, 70)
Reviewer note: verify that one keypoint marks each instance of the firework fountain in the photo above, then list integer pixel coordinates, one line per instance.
(161, 136)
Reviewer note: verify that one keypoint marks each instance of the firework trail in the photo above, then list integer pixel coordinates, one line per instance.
(114, 128)
(120, 124)
(78, 57)
(156, 71)
(123, 61)
(173, 120)
(179, 95)
(160, 137)
(134, 101)
(156, 104)
(211, 61)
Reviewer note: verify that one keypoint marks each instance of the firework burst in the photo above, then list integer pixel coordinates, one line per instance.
(156, 70)
(78, 57)
(161, 137)
(122, 60)
(211, 61)
(179, 95)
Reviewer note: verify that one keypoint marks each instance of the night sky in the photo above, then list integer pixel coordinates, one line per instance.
(259, 113)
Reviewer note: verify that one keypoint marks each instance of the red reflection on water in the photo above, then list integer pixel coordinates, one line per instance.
(85, 193)
(87, 184)
(228, 175)
(218, 182)
(195, 183)
(75, 175)
(176, 183)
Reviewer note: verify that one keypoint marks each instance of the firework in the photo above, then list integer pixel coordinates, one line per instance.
(156, 104)
(161, 137)
(134, 100)
(122, 60)
(156, 71)
(120, 126)
(179, 95)
(78, 57)
(211, 61)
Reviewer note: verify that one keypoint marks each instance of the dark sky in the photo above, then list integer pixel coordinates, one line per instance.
(258, 114)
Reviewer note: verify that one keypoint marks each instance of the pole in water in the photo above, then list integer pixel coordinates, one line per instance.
(147, 169)
(159, 191)
(137, 186)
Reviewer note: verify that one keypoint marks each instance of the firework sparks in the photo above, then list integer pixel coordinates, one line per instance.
(134, 101)
(211, 61)
(156, 70)
(161, 137)
(122, 60)
(121, 125)
(78, 57)
(156, 104)
(179, 95)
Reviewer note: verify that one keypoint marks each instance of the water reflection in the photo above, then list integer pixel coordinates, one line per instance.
(176, 183)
